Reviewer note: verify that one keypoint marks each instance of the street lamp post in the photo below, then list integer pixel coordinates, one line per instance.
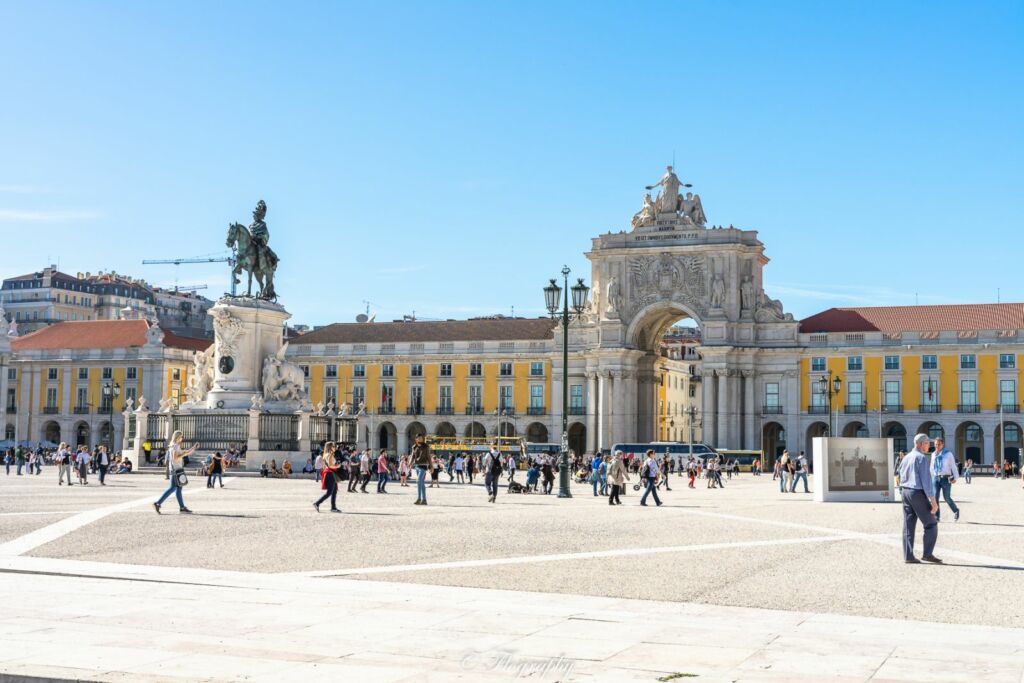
(111, 390)
(553, 295)
(830, 386)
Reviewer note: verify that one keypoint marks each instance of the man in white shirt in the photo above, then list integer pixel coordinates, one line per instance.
(944, 474)
(64, 464)
(318, 465)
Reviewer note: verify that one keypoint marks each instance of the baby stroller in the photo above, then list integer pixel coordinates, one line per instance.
(640, 484)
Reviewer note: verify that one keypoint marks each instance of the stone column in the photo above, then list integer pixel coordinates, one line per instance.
(605, 415)
(252, 440)
(707, 411)
(305, 442)
(630, 390)
(591, 410)
(791, 408)
(619, 406)
(988, 452)
(722, 417)
(141, 429)
(750, 437)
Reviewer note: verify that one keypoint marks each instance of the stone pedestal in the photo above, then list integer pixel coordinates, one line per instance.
(247, 331)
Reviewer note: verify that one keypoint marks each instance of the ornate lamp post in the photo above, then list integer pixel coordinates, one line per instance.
(111, 390)
(553, 297)
(830, 386)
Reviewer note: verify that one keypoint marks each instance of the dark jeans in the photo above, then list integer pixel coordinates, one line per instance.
(173, 488)
(332, 492)
(943, 486)
(491, 484)
(614, 497)
(382, 481)
(365, 479)
(652, 489)
(916, 507)
(103, 472)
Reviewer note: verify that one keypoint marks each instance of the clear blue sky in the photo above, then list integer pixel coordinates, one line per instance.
(447, 158)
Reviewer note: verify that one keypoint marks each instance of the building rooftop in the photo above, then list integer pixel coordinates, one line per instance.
(101, 334)
(498, 329)
(899, 319)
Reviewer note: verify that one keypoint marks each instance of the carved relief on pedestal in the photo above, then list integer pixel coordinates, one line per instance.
(665, 277)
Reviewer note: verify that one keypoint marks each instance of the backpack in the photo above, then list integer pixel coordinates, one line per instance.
(496, 467)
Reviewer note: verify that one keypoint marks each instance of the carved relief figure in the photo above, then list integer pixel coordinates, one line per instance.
(692, 208)
(668, 200)
(645, 216)
(717, 292)
(154, 335)
(613, 297)
(747, 293)
(201, 380)
(282, 380)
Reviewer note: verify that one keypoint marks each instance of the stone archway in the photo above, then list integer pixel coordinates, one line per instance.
(82, 434)
(506, 429)
(855, 429)
(773, 442)
(446, 429)
(1009, 447)
(387, 437)
(536, 432)
(577, 438)
(51, 432)
(970, 441)
(413, 430)
(898, 433)
(107, 435)
(475, 430)
(933, 429)
(815, 430)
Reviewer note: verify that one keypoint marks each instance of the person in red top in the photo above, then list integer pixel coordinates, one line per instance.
(382, 470)
(330, 476)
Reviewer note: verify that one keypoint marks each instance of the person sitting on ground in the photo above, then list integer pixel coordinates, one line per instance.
(275, 471)
(125, 467)
(308, 467)
(264, 470)
(286, 468)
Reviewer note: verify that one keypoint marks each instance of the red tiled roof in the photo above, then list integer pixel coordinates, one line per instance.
(897, 319)
(100, 334)
(499, 329)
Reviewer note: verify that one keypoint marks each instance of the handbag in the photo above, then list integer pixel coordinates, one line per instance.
(180, 478)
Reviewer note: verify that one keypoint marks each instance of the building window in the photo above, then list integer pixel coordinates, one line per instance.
(818, 396)
(131, 373)
(1007, 361)
(387, 370)
(12, 374)
(929, 362)
(536, 396)
(576, 397)
(416, 399)
(476, 398)
(387, 398)
(359, 370)
(476, 370)
(444, 398)
(331, 395)
(930, 392)
(536, 369)
(175, 374)
(358, 396)
(1012, 433)
(854, 363)
(693, 391)
(83, 373)
(968, 361)
(771, 394)
(130, 393)
(505, 398)
(1007, 392)
(305, 371)
(446, 369)
(818, 364)
(968, 392)
(11, 394)
(331, 372)
(972, 433)
(505, 370)
(892, 362)
(855, 393)
(51, 373)
(82, 399)
(892, 393)
(416, 370)
(51, 397)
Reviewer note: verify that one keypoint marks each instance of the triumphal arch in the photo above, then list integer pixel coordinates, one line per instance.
(671, 265)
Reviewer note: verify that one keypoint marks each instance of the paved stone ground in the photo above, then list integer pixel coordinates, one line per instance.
(266, 588)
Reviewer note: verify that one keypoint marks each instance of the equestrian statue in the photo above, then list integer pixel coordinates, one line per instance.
(252, 253)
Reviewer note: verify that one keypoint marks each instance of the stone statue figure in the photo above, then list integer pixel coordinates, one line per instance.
(165, 405)
(12, 329)
(717, 292)
(227, 329)
(645, 216)
(154, 335)
(668, 200)
(141, 407)
(252, 253)
(344, 410)
(691, 207)
(747, 293)
(129, 403)
(613, 297)
(201, 380)
(282, 380)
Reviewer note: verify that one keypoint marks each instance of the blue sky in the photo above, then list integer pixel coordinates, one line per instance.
(447, 158)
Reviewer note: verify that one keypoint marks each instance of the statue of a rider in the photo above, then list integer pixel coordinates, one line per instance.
(253, 253)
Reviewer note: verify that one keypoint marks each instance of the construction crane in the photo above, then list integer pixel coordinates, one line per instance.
(230, 260)
(187, 288)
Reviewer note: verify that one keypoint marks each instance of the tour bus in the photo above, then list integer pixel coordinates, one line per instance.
(534, 449)
(744, 459)
(678, 452)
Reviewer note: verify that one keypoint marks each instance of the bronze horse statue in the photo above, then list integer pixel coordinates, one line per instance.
(252, 253)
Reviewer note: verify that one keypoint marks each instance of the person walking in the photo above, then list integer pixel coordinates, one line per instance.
(403, 470)
(421, 461)
(618, 476)
(364, 470)
(665, 465)
(917, 490)
(547, 475)
(215, 471)
(318, 464)
(944, 475)
(652, 470)
(63, 461)
(799, 472)
(19, 458)
(784, 471)
(595, 477)
(492, 473)
(82, 460)
(691, 471)
(460, 464)
(602, 474)
(176, 455)
(382, 471)
(102, 464)
(8, 460)
(470, 466)
(330, 477)
(968, 470)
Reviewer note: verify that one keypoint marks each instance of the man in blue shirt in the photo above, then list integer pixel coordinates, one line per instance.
(944, 473)
(917, 489)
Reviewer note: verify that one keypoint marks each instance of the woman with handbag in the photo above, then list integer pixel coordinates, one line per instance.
(330, 477)
(176, 455)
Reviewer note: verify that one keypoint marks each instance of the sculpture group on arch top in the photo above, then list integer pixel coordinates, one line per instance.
(709, 281)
